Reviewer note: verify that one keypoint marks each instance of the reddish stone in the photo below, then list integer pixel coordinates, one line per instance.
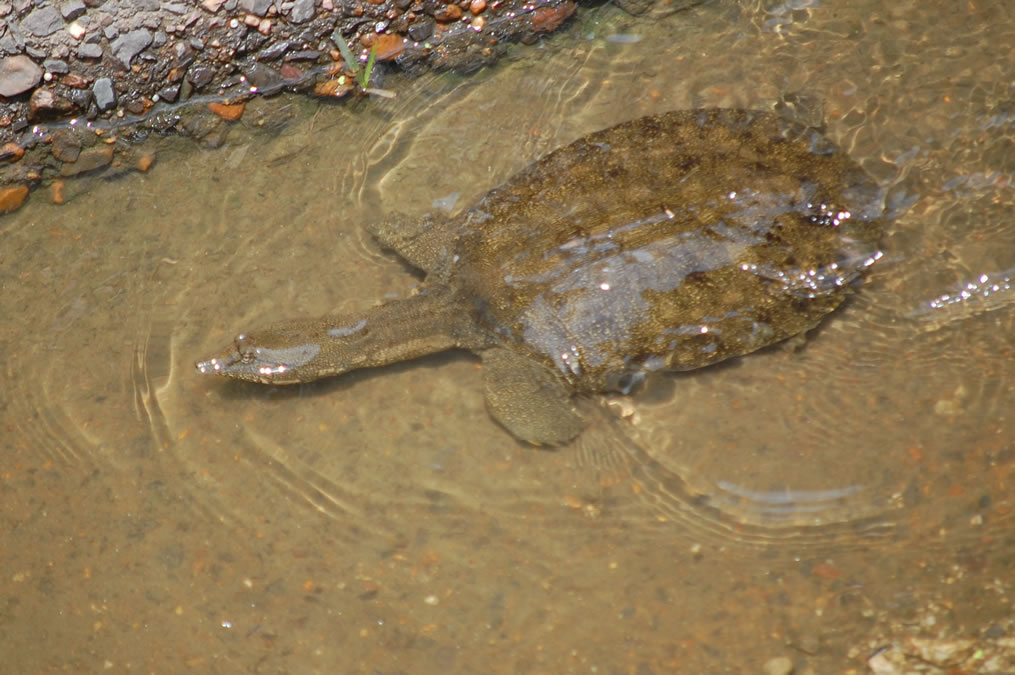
(448, 13)
(388, 46)
(549, 18)
(11, 198)
(11, 152)
(228, 111)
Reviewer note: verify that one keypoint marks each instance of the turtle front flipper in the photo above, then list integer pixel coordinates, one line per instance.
(528, 399)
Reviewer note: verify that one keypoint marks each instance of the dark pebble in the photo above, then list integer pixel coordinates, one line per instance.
(200, 76)
(304, 55)
(273, 51)
(421, 30)
(169, 93)
(262, 76)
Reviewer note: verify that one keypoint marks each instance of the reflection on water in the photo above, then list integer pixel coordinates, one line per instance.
(814, 502)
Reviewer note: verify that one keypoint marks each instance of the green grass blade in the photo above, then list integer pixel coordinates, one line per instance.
(365, 82)
(343, 49)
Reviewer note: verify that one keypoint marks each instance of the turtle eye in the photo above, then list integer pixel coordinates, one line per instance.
(246, 348)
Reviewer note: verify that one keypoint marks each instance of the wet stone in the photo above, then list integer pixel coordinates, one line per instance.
(66, 146)
(89, 160)
(129, 45)
(273, 51)
(421, 30)
(200, 76)
(304, 55)
(169, 93)
(43, 21)
(11, 198)
(262, 76)
(72, 9)
(18, 74)
(105, 97)
(45, 102)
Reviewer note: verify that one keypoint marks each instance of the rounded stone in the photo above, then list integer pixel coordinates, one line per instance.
(18, 74)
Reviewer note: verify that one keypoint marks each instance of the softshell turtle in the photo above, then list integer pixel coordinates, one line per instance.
(668, 242)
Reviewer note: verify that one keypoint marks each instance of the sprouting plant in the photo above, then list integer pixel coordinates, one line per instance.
(362, 75)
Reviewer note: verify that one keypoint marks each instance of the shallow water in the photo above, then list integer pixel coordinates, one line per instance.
(812, 502)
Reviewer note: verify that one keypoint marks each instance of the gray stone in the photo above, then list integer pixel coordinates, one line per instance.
(160, 38)
(175, 8)
(72, 9)
(129, 45)
(88, 50)
(56, 66)
(258, 7)
(110, 32)
(43, 21)
(105, 97)
(303, 11)
(18, 74)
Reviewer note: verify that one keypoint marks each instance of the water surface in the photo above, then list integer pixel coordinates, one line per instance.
(814, 502)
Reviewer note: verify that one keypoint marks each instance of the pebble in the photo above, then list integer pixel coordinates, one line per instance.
(56, 66)
(11, 152)
(45, 102)
(169, 93)
(145, 162)
(258, 7)
(11, 198)
(72, 9)
(302, 11)
(105, 96)
(89, 160)
(477, 6)
(547, 19)
(18, 74)
(388, 46)
(89, 50)
(130, 44)
(228, 111)
(56, 191)
(780, 665)
(262, 76)
(43, 21)
(449, 13)
(422, 29)
(76, 30)
(66, 146)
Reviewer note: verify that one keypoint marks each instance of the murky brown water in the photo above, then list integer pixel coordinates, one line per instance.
(813, 504)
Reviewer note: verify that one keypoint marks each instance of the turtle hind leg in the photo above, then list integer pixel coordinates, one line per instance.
(528, 399)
